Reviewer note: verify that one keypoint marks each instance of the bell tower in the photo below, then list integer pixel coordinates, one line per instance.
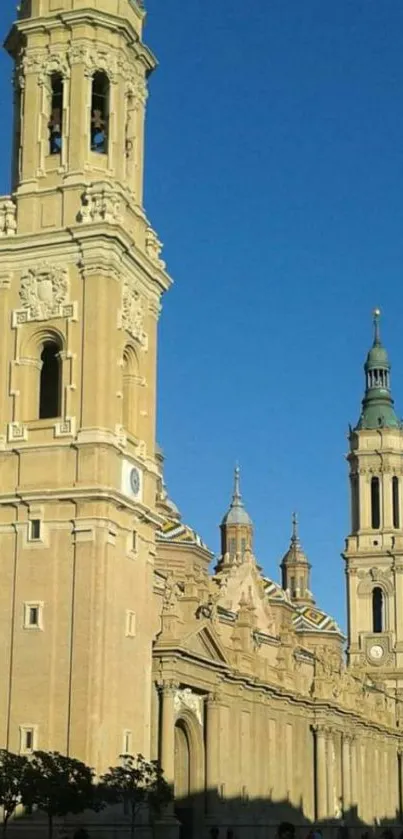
(374, 548)
(81, 280)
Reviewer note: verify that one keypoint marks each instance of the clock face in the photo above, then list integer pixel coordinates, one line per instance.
(376, 652)
(135, 481)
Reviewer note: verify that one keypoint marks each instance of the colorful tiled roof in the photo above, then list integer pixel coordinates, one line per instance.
(306, 618)
(176, 531)
(275, 592)
(311, 619)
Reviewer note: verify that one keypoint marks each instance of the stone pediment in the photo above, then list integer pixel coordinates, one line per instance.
(205, 644)
(244, 581)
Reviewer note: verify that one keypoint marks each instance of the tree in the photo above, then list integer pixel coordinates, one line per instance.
(138, 784)
(58, 785)
(12, 769)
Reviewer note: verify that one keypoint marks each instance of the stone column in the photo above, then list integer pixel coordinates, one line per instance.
(212, 751)
(346, 773)
(168, 691)
(320, 773)
(400, 782)
(354, 774)
(330, 775)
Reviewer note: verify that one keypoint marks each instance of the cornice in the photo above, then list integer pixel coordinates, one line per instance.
(113, 23)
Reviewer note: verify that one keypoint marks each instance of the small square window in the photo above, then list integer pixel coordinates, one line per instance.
(127, 742)
(27, 739)
(32, 615)
(130, 624)
(35, 529)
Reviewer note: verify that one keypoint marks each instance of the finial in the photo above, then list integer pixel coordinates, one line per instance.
(294, 538)
(237, 482)
(377, 331)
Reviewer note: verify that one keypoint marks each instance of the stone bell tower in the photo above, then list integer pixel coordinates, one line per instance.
(374, 548)
(81, 279)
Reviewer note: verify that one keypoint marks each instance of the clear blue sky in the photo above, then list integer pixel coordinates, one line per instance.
(274, 176)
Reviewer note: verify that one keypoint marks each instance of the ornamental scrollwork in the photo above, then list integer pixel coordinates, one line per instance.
(154, 248)
(100, 204)
(44, 291)
(133, 313)
(54, 63)
(8, 218)
(94, 59)
(186, 699)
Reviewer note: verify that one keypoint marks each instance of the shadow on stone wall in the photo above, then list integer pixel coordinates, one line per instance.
(196, 816)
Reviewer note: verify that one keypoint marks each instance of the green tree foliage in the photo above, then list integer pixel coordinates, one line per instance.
(58, 785)
(138, 784)
(12, 769)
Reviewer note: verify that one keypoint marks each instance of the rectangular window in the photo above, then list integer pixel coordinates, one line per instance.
(130, 624)
(35, 529)
(396, 504)
(375, 504)
(27, 739)
(134, 541)
(33, 615)
(127, 742)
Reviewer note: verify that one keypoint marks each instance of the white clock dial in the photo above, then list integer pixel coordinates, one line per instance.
(376, 652)
(132, 480)
(135, 480)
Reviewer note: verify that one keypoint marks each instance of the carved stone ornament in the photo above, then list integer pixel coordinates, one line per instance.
(100, 205)
(369, 580)
(54, 62)
(44, 292)
(94, 59)
(186, 699)
(132, 314)
(154, 248)
(8, 221)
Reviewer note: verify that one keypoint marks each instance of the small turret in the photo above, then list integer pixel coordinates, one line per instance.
(377, 406)
(236, 526)
(295, 569)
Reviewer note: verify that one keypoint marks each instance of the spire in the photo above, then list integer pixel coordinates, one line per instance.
(377, 328)
(294, 537)
(237, 513)
(377, 405)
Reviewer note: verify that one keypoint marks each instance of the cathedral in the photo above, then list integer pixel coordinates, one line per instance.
(119, 631)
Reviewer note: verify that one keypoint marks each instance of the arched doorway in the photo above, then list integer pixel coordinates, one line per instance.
(189, 774)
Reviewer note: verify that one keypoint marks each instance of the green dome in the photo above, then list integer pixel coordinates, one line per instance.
(377, 406)
(377, 357)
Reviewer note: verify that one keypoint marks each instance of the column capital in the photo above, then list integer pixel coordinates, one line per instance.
(214, 698)
(168, 687)
(322, 728)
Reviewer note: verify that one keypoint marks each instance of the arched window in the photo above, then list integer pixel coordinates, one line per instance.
(50, 382)
(100, 113)
(355, 503)
(378, 617)
(396, 502)
(375, 504)
(130, 407)
(56, 114)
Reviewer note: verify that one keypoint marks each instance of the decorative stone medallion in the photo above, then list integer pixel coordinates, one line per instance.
(44, 292)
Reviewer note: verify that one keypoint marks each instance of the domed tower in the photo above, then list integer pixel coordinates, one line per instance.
(236, 526)
(374, 548)
(296, 569)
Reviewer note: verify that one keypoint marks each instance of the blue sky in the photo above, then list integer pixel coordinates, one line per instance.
(274, 176)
